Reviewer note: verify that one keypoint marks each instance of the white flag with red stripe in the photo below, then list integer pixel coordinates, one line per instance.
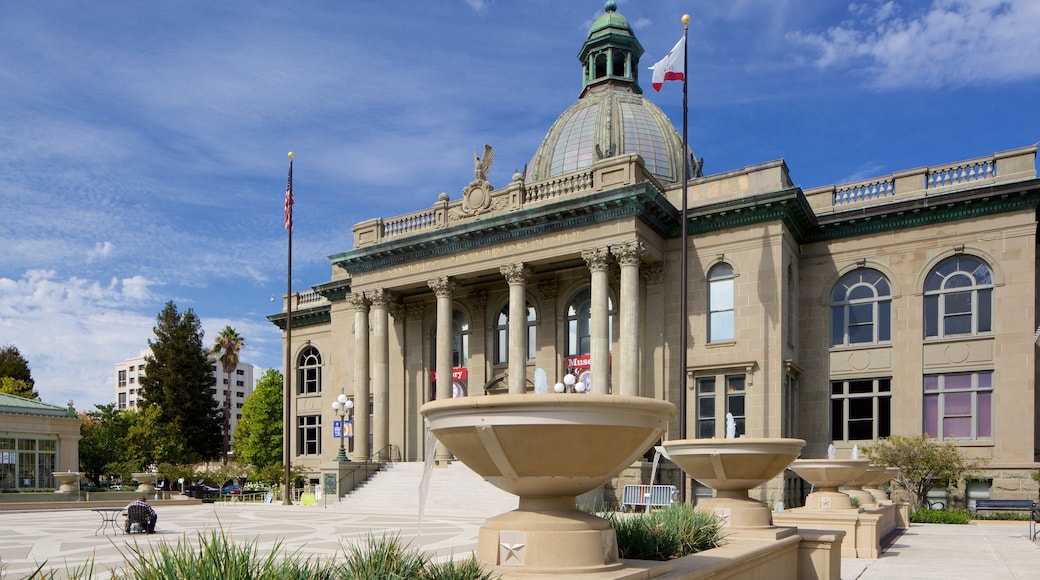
(672, 67)
(289, 199)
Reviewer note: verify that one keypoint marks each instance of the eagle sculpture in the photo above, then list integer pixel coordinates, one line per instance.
(481, 165)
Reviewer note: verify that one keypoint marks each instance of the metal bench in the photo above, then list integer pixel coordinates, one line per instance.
(633, 496)
(1012, 505)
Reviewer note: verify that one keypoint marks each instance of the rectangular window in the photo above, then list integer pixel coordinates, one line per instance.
(239, 372)
(240, 383)
(131, 368)
(721, 317)
(308, 435)
(122, 400)
(735, 401)
(706, 408)
(240, 394)
(308, 381)
(861, 409)
(122, 379)
(959, 406)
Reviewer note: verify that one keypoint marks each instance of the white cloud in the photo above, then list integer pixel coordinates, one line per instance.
(101, 250)
(951, 43)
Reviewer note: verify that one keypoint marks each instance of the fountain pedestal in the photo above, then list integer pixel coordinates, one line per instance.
(145, 481)
(68, 481)
(732, 467)
(548, 449)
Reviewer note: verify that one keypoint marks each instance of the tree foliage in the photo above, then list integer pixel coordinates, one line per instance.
(102, 441)
(258, 437)
(15, 374)
(923, 463)
(227, 347)
(179, 381)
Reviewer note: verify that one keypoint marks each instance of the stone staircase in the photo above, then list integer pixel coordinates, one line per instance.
(453, 489)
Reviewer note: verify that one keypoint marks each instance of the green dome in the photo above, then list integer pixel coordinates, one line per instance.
(611, 117)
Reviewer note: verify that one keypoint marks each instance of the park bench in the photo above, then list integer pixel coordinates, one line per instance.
(648, 495)
(1012, 505)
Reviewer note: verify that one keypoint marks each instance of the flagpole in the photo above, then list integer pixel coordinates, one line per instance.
(287, 399)
(684, 321)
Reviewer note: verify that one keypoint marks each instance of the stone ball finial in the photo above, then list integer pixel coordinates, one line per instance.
(443, 197)
(610, 6)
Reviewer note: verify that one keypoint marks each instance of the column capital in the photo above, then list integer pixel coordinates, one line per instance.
(360, 301)
(629, 253)
(653, 272)
(414, 311)
(442, 286)
(516, 273)
(478, 299)
(597, 259)
(380, 298)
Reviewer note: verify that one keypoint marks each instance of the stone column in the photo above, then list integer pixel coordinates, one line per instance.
(629, 255)
(443, 287)
(361, 376)
(598, 261)
(654, 365)
(415, 381)
(379, 300)
(516, 274)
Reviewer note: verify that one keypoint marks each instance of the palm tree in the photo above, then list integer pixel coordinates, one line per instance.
(226, 347)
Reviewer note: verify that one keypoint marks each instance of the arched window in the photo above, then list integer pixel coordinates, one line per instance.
(502, 334)
(958, 298)
(579, 323)
(308, 372)
(861, 308)
(720, 303)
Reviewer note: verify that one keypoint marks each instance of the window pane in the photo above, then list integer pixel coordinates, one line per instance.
(837, 325)
(837, 388)
(861, 334)
(884, 416)
(985, 380)
(985, 313)
(721, 326)
(861, 292)
(931, 415)
(861, 386)
(706, 407)
(958, 427)
(861, 430)
(957, 404)
(957, 303)
(960, 324)
(862, 408)
(953, 382)
(931, 316)
(931, 383)
(837, 419)
(985, 418)
(884, 321)
(736, 405)
(741, 427)
(706, 385)
(706, 429)
(721, 295)
(959, 280)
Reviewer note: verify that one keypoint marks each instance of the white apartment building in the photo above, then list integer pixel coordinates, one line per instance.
(130, 371)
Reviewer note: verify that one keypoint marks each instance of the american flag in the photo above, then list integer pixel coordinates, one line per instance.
(289, 197)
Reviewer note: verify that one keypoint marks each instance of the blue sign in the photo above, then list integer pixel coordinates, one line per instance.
(343, 429)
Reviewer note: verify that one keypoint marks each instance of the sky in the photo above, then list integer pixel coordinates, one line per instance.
(143, 146)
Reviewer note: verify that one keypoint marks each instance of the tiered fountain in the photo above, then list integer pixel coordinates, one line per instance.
(548, 449)
(881, 475)
(828, 475)
(68, 481)
(732, 467)
(145, 481)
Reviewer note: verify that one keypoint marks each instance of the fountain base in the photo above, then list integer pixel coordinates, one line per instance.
(738, 512)
(566, 541)
(829, 499)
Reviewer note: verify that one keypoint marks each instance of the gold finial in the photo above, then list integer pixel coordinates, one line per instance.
(685, 19)
(290, 155)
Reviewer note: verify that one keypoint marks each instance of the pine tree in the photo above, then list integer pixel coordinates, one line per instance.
(179, 380)
(15, 376)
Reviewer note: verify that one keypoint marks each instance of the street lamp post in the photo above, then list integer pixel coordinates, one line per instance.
(343, 406)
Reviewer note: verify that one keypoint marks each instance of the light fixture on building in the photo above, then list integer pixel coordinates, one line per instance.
(342, 406)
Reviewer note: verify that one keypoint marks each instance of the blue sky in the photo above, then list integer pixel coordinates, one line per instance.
(143, 146)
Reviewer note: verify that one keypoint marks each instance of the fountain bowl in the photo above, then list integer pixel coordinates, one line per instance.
(828, 475)
(68, 481)
(732, 467)
(548, 449)
(145, 481)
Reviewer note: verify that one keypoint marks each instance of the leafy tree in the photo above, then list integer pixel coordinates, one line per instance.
(102, 441)
(227, 346)
(14, 365)
(923, 463)
(258, 437)
(179, 381)
(18, 388)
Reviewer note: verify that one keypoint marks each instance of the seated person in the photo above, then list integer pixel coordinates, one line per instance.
(140, 507)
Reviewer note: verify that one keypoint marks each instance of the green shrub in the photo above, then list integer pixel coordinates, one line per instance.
(1014, 516)
(665, 534)
(930, 516)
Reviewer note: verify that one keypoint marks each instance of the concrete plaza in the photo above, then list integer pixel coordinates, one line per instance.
(63, 540)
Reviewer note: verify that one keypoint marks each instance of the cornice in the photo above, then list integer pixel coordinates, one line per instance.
(306, 317)
(640, 200)
(334, 291)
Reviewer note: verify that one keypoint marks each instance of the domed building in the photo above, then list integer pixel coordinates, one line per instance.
(838, 314)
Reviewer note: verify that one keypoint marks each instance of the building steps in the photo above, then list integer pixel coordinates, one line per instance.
(453, 489)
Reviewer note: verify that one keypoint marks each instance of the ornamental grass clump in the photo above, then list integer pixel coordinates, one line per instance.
(665, 534)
